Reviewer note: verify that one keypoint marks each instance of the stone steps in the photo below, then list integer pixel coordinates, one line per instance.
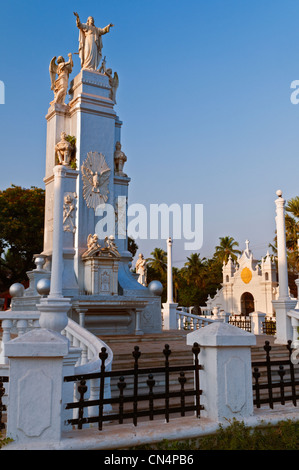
(151, 347)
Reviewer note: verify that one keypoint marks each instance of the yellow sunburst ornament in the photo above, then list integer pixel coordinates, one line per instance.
(246, 275)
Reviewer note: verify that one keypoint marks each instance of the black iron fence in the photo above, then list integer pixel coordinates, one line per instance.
(269, 327)
(136, 404)
(2, 406)
(241, 321)
(275, 380)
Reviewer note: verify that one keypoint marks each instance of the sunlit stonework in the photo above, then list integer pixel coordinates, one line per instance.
(95, 175)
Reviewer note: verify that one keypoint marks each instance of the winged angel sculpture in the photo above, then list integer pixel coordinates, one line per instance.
(63, 70)
(95, 175)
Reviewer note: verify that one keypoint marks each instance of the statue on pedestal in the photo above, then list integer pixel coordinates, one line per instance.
(90, 42)
(119, 160)
(64, 150)
(63, 70)
(141, 269)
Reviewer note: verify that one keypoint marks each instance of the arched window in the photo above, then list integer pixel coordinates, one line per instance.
(227, 278)
(267, 276)
(247, 303)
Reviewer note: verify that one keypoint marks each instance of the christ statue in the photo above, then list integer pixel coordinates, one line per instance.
(90, 42)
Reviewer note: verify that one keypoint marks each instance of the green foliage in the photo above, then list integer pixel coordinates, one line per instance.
(237, 436)
(4, 441)
(21, 232)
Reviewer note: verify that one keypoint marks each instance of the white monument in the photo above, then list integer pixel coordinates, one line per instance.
(84, 147)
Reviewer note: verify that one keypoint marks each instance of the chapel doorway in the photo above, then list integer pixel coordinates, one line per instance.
(247, 303)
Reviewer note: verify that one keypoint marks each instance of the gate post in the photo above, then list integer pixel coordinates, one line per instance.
(35, 388)
(226, 377)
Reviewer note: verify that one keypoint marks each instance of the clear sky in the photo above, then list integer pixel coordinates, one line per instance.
(204, 97)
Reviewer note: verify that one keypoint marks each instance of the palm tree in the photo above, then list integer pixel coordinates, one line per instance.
(226, 248)
(158, 262)
(194, 269)
(293, 206)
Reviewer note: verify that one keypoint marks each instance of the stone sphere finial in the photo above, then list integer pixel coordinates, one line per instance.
(155, 287)
(279, 193)
(16, 290)
(43, 286)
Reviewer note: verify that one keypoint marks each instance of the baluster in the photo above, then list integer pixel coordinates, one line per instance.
(6, 328)
(166, 353)
(136, 354)
(121, 386)
(151, 383)
(281, 373)
(256, 376)
(196, 351)
(191, 324)
(82, 389)
(103, 356)
(22, 327)
(182, 380)
(84, 358)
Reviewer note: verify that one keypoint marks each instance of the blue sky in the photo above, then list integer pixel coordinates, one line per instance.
(204, 97)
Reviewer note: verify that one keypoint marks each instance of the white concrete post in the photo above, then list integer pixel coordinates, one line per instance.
(284, 303)
(169, 272)
(57, 254)
(35, 388)
(169, 308)
(257, 319)
(281, 248)
(226, 378)
(54, 308)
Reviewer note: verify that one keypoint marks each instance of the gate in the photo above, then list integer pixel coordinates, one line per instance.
(128, 406)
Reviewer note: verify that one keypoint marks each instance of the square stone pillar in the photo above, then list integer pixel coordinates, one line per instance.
(284, 330)
(169, 316)
(257, 319)
(226, 378)
(35, 388)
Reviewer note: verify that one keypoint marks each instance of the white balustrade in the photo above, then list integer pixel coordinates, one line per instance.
(17, 323)
(189, 321)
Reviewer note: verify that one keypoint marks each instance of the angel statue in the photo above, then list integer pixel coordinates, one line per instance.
(90, 42)
(114, 84)
(93, 246)
(95, 176)
(63, 70)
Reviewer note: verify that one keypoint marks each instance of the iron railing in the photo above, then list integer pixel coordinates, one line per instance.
(241, 321)
(2, 406)
(275, 381)
(128, 406)
(269, 327)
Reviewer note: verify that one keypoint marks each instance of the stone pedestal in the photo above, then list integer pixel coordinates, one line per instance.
(169, 316)
(35, 387)
(101, 275)
(257, 319)
(226, 378)
(284, 331)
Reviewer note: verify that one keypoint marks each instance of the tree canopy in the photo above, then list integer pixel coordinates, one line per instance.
(21, 232)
